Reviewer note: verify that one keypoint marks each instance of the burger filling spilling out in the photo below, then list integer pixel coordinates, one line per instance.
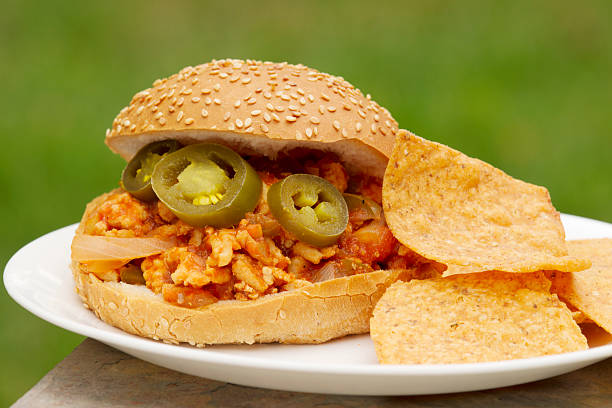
(243, 227)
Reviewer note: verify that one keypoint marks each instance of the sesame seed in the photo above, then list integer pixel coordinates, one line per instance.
(270, 107)
(187, 91)
(353, 100)
(107, 132)
(315, 120)
(217, 101)
(246, 98)
(215, 72)
(208, 100)
(287, 87)
(217, 87)
(171, 93)
(226, 116)
(308, 132)
(301, 91)
(275, 117)
(294, 95)
(223, 75)
(361, 113)
(325, 97)
(204, 113)
(234, 78)
(291, 118)
(251, 101)
(231, 127)
(311, 98)
(358, 126)
(180, 102)
(133, 127)
(316, 131)
(158, 115)
(246, 80)
(346, 107)
(369, 97)
(344, 132)
(267, 117)
(267, 95)
(255, 112)
(179, 116)
(237, 103)
(118, 128)
(239, 123)
(279, 108)
(162, 121)
(336, 125)
(258, 90)
(321, 109)
(195, 81)
(264, 128)
(331, 108)
(173, 101)
(205, 91)
(139, 110)
(189, 121)
(382, 130)
(171, 109)
(247, 122)
(302, 101)
(249, 129)
(373, 128)
(154, 109)
(376, 117)
(285, 97)
(195, 99)
(293, 108)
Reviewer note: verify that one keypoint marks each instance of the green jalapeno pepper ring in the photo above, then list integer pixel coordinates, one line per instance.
(207, 184)
(354, 201)
(136, 176)
(309, 207)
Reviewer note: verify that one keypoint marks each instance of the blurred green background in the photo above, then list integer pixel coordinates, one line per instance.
(523, 85)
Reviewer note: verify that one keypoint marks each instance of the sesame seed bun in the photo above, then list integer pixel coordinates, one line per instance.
(259, 108)
(314, 314)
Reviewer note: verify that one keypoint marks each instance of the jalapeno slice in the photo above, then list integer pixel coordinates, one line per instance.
(371, 207)
(309, 207)
(136, 176)
(207, 184)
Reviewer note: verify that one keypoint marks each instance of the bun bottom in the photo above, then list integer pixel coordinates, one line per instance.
(313, 314)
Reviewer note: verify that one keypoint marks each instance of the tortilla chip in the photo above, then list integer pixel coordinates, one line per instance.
(468, 215)
(481, 317)
(589, 291)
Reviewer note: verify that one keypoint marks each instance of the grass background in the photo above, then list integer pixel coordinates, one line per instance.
(523, 85)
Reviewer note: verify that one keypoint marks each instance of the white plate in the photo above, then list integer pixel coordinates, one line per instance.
(39, 279)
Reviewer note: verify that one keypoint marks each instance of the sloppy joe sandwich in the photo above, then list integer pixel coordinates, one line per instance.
(249, 210)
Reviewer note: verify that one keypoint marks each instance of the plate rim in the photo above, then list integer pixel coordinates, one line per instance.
(209, 355)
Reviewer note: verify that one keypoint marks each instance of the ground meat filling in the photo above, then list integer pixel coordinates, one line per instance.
(257, 257)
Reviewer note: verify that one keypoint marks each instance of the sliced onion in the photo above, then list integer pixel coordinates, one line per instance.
(331, 270)
(87, 248)
(339, 269)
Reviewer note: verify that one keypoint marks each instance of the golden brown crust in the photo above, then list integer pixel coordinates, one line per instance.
(314, 314)
(258, 107)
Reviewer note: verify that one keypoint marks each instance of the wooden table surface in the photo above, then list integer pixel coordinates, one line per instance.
(95, 375)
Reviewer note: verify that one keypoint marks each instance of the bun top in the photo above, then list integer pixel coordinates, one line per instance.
(259, 108)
